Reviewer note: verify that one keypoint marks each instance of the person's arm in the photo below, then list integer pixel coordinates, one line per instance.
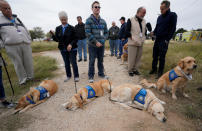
(55, 36)
(117, 32)
(1, 43)
(74, 38)
(109, 33)
(173, 24)
(105, 31)
(89, 33)
(155, 29)
(128, 29)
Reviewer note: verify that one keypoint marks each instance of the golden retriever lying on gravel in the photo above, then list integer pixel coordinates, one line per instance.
(84, 94)
(129, 94)
(176, 78)
(36, 96)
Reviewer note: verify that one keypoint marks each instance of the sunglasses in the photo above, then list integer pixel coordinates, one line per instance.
(5, 8)
(97, 7)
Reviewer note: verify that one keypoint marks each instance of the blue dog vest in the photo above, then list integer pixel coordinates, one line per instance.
(91, 92)
(43, 94)
(172, 75)
(140, 97)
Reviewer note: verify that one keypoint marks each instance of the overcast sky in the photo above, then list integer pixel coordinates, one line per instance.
(44, 13)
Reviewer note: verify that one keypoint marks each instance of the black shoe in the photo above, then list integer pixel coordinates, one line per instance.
(159, 75)
(119, 57)
(7, 104)
(102, 76)
(79, 60)
(131, 74)
(153, 71)
(85, 59)
(136, 72)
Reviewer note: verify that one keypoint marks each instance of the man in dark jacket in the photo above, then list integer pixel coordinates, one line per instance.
(122, 40)
(67, 43)
(81, 36)
(113, 39)
(164, 30)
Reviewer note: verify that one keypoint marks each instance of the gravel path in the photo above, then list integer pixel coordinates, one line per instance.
(99, 115)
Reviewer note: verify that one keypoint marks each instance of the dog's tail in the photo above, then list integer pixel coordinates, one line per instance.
(147, 84)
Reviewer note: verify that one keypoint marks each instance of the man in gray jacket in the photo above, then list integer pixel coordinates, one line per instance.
(113, 39)
(15, 38)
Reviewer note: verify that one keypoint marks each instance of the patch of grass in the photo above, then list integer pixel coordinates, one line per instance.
(190, 108)
(15, 122)
(107, 44)
(44, 46)
(43, 68)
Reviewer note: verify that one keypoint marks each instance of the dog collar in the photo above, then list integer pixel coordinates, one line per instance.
(189, 77)
(149, 103)
(30, 100)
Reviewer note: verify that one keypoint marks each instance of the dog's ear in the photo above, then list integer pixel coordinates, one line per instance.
(68, 105)
(181, 64)
(80, 102)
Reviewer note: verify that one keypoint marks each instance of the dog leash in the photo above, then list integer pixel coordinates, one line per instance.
(75, 86)
(4, 63)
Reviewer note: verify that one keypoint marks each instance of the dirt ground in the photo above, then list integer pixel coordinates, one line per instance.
(99, 115)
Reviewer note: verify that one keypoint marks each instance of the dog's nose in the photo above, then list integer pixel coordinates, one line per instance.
(195, 66)
(164, 119)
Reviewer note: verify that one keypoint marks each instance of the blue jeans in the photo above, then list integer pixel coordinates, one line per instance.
(94, 53)
(82, 45)
(121, 44)
(70, 57)
(114, 46)
(2, 92)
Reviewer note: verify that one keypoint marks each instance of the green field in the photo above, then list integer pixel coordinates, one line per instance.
(44, 46)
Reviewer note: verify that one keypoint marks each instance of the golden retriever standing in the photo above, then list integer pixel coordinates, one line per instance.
(36, 96)
(86, 93)
(129, 94)
(124, 56)
(175, 78)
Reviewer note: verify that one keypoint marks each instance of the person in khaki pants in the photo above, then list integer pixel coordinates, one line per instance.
(135, 30)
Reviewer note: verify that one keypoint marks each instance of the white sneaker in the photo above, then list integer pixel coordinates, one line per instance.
(76, 79)
(68, 78)
(90, 80)
(23, 81)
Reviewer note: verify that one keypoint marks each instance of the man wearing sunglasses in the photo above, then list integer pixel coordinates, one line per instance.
(15, 38)
(164, 30)
(97, 33)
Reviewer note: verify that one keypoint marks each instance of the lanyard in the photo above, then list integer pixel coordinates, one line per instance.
(13, 21)
(97, 22)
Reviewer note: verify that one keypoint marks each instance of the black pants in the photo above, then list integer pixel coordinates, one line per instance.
(70, 57)
(159, 53)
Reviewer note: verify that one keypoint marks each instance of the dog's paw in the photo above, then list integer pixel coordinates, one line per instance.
(64, 105)
(162, 102)
(163, 91)
(15, 112)
(174, 97)
(22, 111)
(185, 95)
